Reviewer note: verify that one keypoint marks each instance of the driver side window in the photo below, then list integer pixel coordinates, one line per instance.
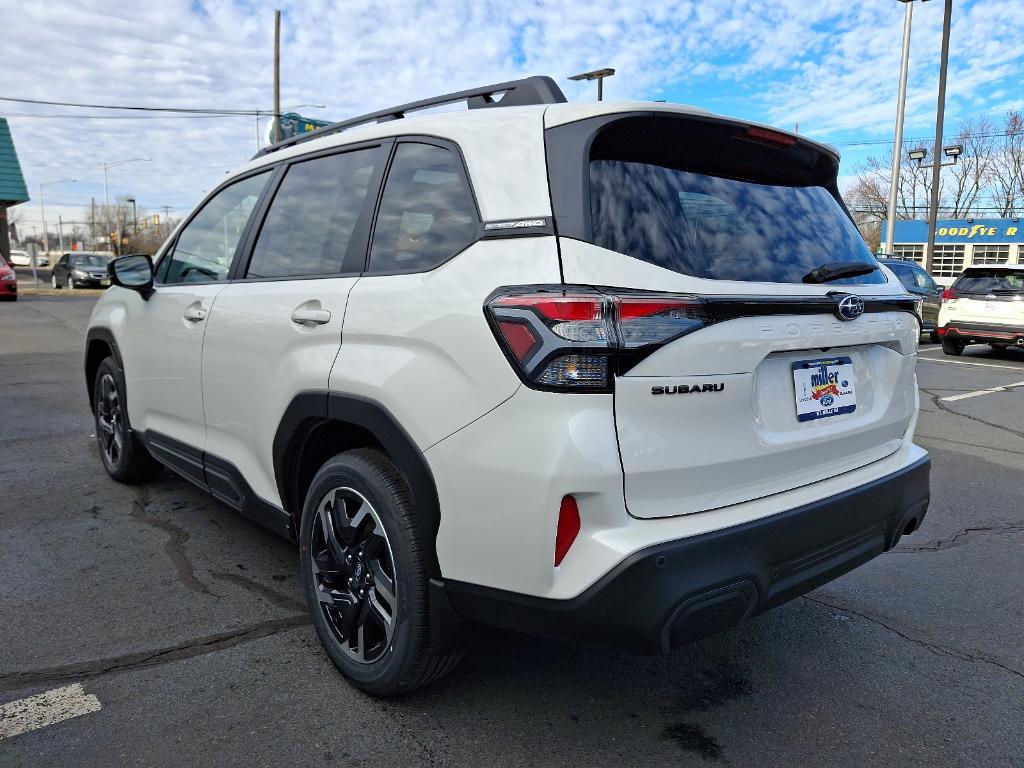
(207, 244)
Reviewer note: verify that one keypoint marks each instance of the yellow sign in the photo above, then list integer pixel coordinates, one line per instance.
(981, 230)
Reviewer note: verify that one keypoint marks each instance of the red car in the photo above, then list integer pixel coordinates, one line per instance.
(8, 282)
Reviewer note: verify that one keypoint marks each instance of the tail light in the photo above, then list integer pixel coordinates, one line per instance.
(949, 294)
(568, 339)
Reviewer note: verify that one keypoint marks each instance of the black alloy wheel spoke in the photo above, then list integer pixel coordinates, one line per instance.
(354, 576)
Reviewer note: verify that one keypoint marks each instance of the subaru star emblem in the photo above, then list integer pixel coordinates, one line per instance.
(850, 307)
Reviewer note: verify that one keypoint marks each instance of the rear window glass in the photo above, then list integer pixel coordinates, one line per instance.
(985, 281)
(707, 202)
(719, 228)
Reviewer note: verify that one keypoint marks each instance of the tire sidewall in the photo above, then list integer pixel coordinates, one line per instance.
(356, 473)
(111, 367)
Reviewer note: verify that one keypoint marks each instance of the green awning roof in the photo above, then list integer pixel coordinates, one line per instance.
(12, 183)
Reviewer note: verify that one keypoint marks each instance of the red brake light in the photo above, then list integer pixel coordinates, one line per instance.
(557, 307)
(767, 137)
(568, 528)
(948, 294)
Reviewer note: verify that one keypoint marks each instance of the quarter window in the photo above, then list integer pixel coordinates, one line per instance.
(427, 214)
(207, 244)
(309, 229)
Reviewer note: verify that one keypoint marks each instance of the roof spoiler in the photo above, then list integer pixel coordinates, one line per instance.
(538, 89)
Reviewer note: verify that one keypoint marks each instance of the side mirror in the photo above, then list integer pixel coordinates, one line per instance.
(134, 273)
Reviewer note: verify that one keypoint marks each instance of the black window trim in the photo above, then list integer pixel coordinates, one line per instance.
(456, 150)
(364, 225)
(167, 254)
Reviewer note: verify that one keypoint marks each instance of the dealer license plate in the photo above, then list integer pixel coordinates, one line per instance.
(824, 387)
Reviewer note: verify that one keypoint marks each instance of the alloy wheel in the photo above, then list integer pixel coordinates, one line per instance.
(354, 574)
(109, 421)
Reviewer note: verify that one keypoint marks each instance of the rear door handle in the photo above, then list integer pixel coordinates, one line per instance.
(195, 314)
(312, 316)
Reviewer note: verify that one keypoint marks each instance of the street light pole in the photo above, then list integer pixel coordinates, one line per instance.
(46, 234)
(940, 110)
(597, 74)
(897, 145)
(106, 194)
(277, 76)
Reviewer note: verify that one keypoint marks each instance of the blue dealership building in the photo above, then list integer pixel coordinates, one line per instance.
(960, 243)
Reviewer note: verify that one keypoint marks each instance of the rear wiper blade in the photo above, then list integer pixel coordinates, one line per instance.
(836, 270)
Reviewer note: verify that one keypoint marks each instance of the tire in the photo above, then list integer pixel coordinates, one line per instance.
(998, 349)
(54, 283)
(124, 456)
(934, 337)
(950, 347)
(362, 560)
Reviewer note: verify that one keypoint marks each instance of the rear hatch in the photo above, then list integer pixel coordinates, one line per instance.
(783, 375)
(983, 297)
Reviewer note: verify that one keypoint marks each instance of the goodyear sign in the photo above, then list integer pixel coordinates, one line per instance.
(961, 231)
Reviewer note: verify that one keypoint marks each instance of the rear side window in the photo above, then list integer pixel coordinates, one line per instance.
(709, 201)
(985, 281)
(309, 228)
(206, 246)
(427, 213)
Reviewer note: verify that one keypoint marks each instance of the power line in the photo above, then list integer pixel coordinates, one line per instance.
(129, 117)
(186, 110)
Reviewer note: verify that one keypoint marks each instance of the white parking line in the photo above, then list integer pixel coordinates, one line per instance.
(982, 392)
(964, 362)
(45, 709)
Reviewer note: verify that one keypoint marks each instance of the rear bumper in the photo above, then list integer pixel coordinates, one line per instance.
(675, 592)
(983, 333)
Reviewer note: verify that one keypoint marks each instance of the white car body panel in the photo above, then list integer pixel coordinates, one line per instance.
(418, 343)
(162, 356)
(256, 359)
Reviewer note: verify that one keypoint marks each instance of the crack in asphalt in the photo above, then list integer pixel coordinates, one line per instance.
(56, 318)
(185, 650)
(951, 541)
(272, 596)
(937, 402)
(938, 650)
(922, 436)
(175, 544)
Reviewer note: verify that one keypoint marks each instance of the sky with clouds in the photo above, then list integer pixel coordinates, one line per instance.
(830, 66)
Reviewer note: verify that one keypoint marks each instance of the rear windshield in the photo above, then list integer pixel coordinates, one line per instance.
(686, 209)
(86, 260)
(985, 281)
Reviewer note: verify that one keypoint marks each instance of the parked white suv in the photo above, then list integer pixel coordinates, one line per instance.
(985, 305)
(620, 373)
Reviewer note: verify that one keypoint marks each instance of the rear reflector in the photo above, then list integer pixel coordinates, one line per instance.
(520, 338)
(568, 528)
(949, 294)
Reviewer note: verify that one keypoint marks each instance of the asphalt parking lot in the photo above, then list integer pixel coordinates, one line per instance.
(183, 623)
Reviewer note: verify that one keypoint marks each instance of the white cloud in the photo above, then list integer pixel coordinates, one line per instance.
(830, 65)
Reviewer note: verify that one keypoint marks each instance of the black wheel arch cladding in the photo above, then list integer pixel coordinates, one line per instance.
(312, 410)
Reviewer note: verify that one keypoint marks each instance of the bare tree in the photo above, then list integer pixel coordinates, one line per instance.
(1007, 168)
(971, 173)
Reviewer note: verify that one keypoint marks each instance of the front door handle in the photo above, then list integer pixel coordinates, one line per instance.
(195, 314)
(310, 316)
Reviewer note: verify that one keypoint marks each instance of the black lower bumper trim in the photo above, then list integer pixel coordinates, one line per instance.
(680, 591)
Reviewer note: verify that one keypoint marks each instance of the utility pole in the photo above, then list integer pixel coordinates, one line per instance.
(940, 110)
(897, 143)
(92, 223)
(60, 232)
(277, 77)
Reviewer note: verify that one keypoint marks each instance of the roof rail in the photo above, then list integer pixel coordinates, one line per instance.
(538, 89)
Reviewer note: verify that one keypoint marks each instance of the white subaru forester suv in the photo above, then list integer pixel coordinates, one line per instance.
(622, 373)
